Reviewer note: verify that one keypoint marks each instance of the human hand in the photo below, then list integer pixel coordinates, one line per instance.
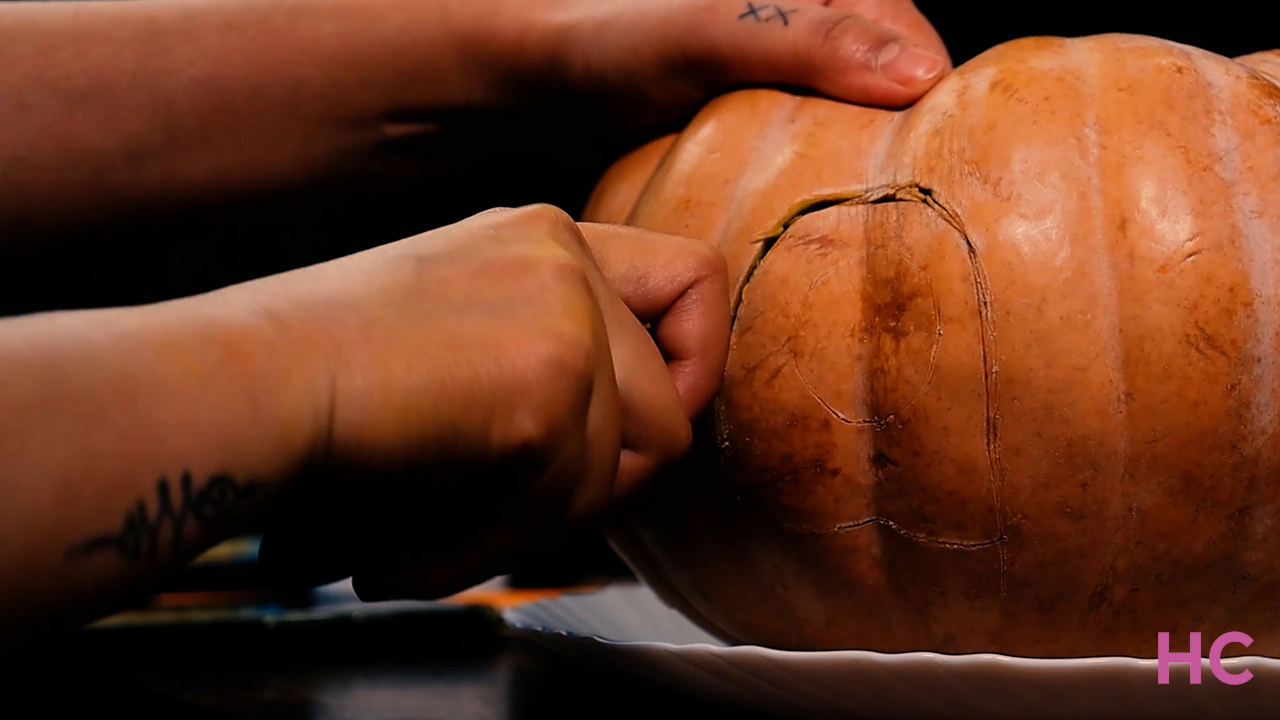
(581, 69)
(489, 387)
(672, 53)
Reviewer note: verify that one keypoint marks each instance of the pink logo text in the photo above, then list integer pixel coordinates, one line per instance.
(1192, 658)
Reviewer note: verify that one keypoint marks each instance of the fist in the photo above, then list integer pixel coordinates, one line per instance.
(488, 387)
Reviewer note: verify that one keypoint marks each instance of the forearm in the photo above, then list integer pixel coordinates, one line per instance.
(130, 440)
(122, 108)
(111, 109)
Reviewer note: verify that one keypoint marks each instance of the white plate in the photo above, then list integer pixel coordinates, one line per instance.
(628, 627)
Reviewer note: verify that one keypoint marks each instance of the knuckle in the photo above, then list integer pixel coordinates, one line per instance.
(853, 37)
(550, 219)
(494, 216)
(557, 360)
(564, 280)
(565, 357)
(558, 377)
(707, 261)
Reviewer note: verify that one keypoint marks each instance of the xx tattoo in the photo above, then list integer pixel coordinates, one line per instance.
(142, 533)
(754, 13)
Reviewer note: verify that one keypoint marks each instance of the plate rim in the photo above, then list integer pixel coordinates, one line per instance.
(510, 616)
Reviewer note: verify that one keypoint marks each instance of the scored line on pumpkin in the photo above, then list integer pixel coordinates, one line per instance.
(914, 192)
(886, 523)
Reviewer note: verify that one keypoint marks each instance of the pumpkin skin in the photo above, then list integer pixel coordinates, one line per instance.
(1003, 373)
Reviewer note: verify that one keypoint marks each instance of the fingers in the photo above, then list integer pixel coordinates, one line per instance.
(835, 50)
(655, 428)
(900, 15)
(679, 286)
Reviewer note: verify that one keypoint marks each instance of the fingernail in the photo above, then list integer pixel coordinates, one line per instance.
(908, 65)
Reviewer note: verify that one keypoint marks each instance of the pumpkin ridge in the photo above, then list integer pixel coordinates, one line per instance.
(913, 192)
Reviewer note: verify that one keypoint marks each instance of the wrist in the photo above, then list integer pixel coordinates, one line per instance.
(133, 438)
(256, 393)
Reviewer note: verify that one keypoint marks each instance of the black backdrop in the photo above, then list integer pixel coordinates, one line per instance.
(1229, 29)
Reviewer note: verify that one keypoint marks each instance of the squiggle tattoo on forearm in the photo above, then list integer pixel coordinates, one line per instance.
(142, 534)
(754, 13)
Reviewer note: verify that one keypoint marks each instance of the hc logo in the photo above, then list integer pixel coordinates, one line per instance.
(1192, 658)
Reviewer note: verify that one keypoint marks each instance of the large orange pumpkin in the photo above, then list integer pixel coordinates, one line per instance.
(1005, 366)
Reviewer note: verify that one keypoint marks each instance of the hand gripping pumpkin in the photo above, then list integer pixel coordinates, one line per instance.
(1005, 367)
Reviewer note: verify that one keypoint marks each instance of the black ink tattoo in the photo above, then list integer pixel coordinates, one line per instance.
(753, 12)
(783, 15)
(141, 535)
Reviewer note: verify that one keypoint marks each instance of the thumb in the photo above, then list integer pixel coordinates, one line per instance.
(833, 49)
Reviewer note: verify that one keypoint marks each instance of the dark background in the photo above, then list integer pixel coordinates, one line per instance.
(1229, 29)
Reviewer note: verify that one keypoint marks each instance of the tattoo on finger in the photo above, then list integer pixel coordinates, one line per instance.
(768, 13)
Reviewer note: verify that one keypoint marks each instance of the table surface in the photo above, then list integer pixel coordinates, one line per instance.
(454, 661)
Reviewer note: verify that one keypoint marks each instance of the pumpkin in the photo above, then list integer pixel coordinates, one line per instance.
(1004, 369)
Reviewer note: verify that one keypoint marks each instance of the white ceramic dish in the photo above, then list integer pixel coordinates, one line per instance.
(628, 627)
